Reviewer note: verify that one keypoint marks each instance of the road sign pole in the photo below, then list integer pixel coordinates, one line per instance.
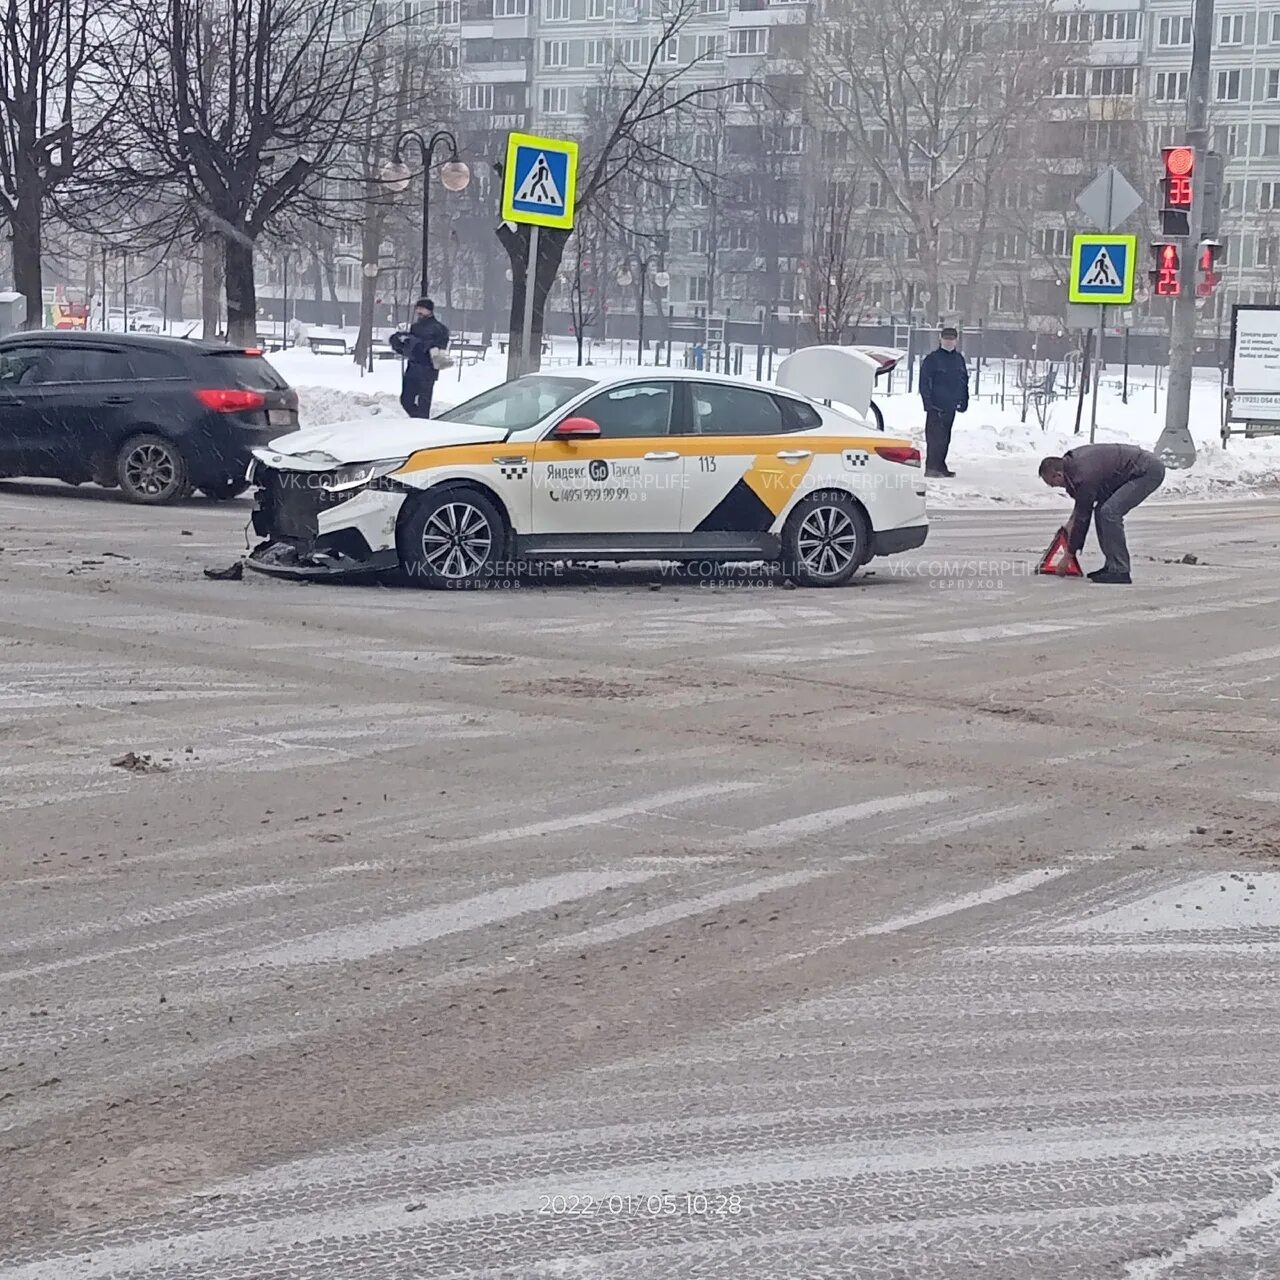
(1097, 370)
(1175, 446)
(527, 362)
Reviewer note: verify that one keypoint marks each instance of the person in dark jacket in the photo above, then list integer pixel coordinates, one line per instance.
(425, 335)
(1108, 480)
(944, 388)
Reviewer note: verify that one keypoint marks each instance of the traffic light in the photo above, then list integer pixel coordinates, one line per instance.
(1210, 250)
(1164, 277)
(1175, 211)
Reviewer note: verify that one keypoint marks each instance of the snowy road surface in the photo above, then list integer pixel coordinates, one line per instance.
(923, 930)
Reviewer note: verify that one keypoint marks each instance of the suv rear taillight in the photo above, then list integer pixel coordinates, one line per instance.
(904, 454)
(231, 400)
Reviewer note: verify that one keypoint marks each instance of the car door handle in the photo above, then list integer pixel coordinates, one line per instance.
(661, 457)
(117, 399)
(794, 455)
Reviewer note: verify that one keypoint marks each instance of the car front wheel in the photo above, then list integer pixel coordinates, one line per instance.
(451, 539)
(152, 470)
(825, 541)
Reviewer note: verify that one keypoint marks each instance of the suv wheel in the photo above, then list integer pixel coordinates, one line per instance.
(451, 539)
(152, 470)
(825, 541)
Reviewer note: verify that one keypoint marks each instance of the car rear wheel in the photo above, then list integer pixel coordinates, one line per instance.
(152, 470)
(451, 539)
(825, 541)
(226, 490)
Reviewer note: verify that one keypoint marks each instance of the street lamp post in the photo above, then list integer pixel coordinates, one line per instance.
(454, 176)
(660, 278)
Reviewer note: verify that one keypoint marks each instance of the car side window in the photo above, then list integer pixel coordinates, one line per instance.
(632, 411)
(721, 409)
(139, 365)
(73, 364)
(796, 415)
(18, 367)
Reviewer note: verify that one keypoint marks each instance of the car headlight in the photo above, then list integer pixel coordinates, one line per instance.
(362, 473)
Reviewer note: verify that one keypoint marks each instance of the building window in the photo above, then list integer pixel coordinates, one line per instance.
(1173, 32)
(669, 49)
(699, 197)
(1113, 82)
(911, 247)
(961, 246)
(599, 8)
(1269, 195)
(709, 48)
(1168, 135)
(839, 94)
(875, 195)
(449, 13)
(704, 146)
(712, 6)
(1006, 245)
(555, 53)
(1228, 86)
(1072, 28)
(699, 239)
(966, 195)
(789, 141)
(1119, 26)
(1228, 195)
(1069, 82)
(1275, 28)
(875, 244)
(1268, 252)
(510, 8)
(555, 101)
(633, 51)
(1004, 298)
(1271, 139)
(1171, 86)
(746, 94)
(597, 53)
(749, 40)
(1273, 83)
(698, 290)
(556, 10)
(1052, 242)
(737, 238)
(1231, 28)
(478, 97)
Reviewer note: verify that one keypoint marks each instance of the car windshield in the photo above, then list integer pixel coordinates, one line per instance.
(517, 405)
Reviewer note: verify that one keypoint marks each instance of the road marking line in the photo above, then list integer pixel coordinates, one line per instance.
(980, 898)
(681, 910)
(413, 928)
(990, 818)
(809, 824)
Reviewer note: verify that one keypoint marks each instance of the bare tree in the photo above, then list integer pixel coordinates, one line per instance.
(931, 93)
(636, 107)
(836, 266)
(50, 114)
(239, 110)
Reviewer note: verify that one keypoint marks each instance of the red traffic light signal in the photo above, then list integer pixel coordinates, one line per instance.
(1207, 263)
(1179, 166)
(1164, 279)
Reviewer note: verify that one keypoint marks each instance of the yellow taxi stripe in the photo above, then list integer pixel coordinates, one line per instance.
(775, 481)
(691, 446)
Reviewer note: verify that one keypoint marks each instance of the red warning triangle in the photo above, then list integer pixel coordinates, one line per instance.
(1058, 550)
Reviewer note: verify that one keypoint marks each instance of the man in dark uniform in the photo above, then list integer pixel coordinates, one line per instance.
(426, 334)
(1108, 480)
(944, 388)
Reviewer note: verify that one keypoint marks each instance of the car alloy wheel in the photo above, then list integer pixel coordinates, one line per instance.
(152, 470)
(457, 540)
(825, 540)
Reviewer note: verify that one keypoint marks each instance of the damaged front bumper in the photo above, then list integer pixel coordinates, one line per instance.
(310, 530)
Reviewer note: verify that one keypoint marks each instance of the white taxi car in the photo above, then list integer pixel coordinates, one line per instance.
(624, 464)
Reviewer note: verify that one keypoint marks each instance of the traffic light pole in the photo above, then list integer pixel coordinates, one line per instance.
(1175, 446)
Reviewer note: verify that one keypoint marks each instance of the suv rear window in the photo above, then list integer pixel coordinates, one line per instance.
(252, 373)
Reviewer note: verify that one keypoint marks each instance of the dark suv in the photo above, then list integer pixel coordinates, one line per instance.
(156, 416)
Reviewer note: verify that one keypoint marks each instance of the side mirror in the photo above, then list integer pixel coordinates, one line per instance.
(572, 429)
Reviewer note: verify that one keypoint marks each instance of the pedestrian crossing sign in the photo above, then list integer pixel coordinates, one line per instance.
(1103, 269)
(539, 181)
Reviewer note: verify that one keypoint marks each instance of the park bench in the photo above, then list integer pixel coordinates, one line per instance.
(323, 344)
